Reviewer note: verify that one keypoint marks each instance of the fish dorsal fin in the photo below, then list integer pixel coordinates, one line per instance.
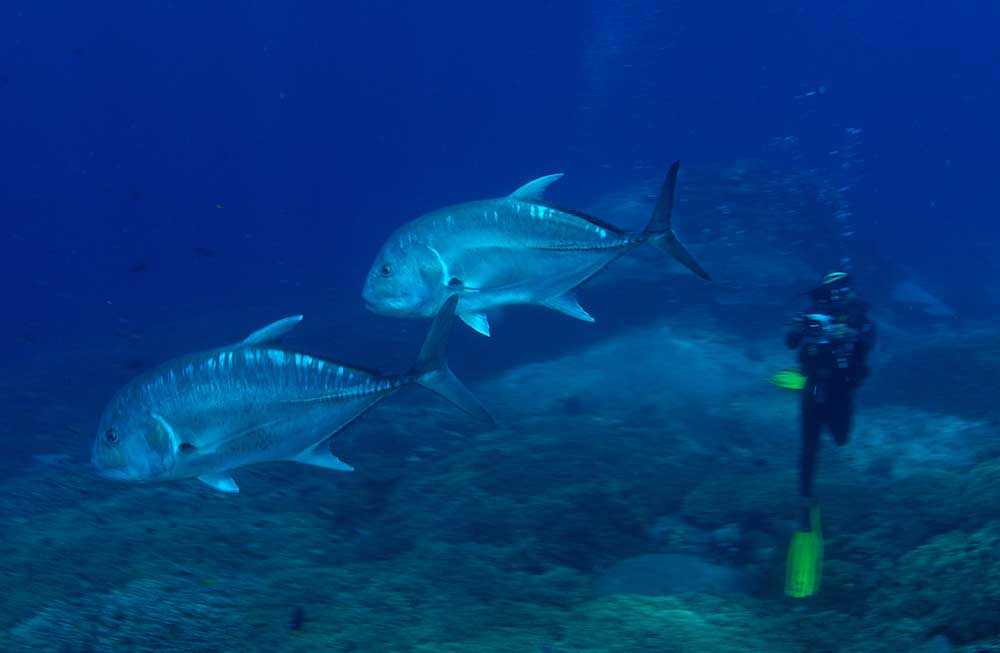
(533, 190)
(272, 331)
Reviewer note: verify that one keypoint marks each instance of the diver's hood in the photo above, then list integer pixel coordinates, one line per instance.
(835, 288)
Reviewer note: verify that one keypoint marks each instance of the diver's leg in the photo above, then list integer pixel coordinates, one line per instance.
(811, 427)
(841, 412)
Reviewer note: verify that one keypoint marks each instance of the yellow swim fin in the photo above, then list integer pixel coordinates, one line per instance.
(789, 380)
(804, 567)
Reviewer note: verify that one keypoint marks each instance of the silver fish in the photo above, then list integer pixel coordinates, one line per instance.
(512, 250)
(206, 414)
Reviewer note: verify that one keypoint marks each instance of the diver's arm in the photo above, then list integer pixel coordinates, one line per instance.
(866, 336)
(863, 343)
(794, 336)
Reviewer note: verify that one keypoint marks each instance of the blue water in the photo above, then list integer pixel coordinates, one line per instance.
(176, 174)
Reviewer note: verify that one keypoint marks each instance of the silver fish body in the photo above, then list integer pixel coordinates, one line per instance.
(205, 414)
(512, 250)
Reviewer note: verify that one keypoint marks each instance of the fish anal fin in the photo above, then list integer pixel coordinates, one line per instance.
(477, 321)
(320, 456)
(272, 331)
(221, 482)
(568, 304)
(534, 190)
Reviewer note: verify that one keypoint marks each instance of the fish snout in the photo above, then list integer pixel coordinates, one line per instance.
(381, 300)
(369, 296)
(128, 460)
(108, 464)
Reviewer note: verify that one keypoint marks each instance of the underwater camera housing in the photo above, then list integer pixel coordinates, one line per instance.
(819, 327)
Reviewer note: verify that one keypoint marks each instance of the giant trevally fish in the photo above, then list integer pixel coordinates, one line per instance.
(206, 414)
(512, 250)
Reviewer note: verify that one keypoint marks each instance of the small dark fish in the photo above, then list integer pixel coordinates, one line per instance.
(128, 334)
(138, 267)
(207, 252)
(77, 52)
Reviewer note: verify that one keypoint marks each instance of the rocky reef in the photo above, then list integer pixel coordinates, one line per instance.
(637, 495)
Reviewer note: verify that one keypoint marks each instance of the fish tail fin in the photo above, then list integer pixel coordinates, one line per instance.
(660, 232)
(431, 369)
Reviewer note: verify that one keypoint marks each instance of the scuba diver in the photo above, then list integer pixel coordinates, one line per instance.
(833, 337)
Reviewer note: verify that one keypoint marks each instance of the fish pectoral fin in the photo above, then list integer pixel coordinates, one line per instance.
(320, 456)
(459, 287)
(272, 331)
(533, 190)
(568, 304)
(220, 482)
(477, 321)
(462, 287)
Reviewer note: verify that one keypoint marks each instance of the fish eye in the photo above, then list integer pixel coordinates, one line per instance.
(111, 436)
(385, 270)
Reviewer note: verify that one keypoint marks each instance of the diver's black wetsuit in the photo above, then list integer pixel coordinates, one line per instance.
(833, 342)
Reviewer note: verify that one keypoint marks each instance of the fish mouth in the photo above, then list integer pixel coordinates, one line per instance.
(388, 301)
(112, 474)
(369, 298)
(375, 308)
(389, 308)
